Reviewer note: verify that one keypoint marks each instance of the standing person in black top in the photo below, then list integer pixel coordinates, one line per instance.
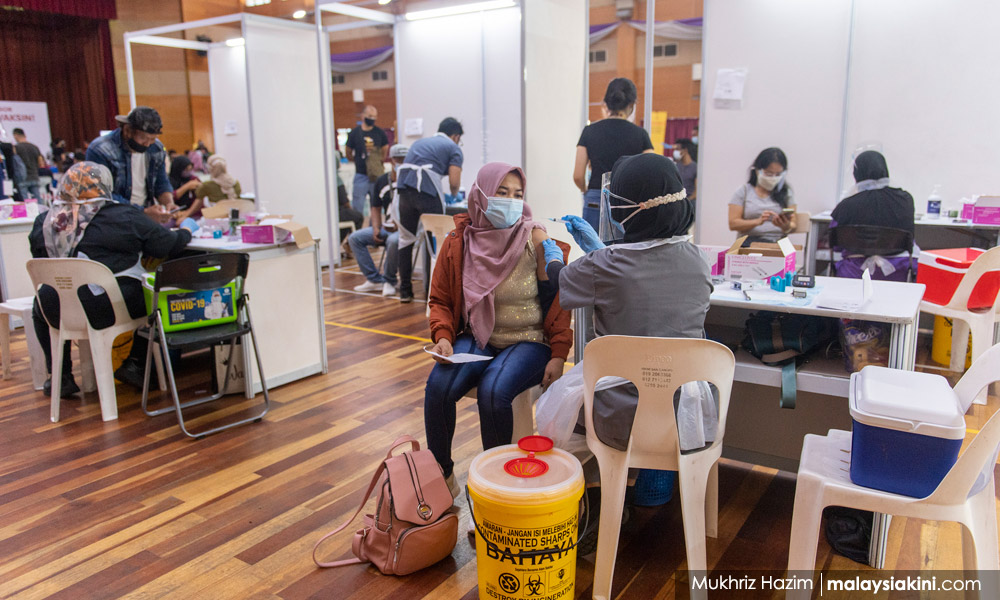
(84, 222)
(604, 142)
(365, 140)
(33, 161)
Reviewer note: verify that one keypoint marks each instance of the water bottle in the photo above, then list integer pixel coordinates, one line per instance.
(934, 203)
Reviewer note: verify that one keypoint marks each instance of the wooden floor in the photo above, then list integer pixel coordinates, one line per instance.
(133, 509)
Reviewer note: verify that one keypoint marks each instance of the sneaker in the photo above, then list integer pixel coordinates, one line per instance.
(405, 298)
(368, 286)
(68, 389)
(131, 372)
(388, 289)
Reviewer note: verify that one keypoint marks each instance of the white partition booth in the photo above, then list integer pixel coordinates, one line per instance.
(916, 78)
(513, 73)
(266, 116)
(266, 113)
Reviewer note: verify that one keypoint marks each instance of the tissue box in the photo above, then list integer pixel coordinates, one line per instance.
(276, 230)
(987, 211)
(759, 261)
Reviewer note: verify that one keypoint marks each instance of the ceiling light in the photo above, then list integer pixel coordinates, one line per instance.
(299, 14)
(236, 42)
(459, 9)
(383, 2)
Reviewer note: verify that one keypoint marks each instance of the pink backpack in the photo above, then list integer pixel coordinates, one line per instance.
(414, 525)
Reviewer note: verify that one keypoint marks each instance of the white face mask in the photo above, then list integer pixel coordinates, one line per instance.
(677, 155)
(768, 182)
(694, 139)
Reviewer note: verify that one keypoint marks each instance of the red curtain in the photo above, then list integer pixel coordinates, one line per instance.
(680, 128)
(92, 9)
(65, 62)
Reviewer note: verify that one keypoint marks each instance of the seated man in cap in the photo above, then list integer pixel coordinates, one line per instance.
(137, 162)
(384, 199)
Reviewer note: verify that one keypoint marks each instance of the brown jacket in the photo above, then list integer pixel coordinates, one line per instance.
(446, 297)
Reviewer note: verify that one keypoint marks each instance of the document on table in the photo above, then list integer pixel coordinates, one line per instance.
(459, 358)
(847, 302)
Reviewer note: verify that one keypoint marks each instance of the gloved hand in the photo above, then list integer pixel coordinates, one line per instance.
(190, 224)
(552, 251)
(583, 234)
(449, 199)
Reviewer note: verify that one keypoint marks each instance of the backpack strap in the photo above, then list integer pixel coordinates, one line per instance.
(349, 561)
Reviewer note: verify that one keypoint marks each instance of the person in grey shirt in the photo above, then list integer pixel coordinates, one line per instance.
(655, 283)
(686, 159)
(763, 208)
(32, 158)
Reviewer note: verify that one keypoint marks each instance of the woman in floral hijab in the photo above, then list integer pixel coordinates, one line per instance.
(82, 191)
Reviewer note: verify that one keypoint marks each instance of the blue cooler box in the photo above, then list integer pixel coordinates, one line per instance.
(908, 430)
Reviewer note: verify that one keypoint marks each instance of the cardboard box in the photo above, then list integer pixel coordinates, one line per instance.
(987, 211)
(220, 210)
(715, 257)
(277, 229)
(760, 261)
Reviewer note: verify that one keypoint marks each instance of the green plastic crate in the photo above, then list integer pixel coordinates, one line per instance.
(187, 309)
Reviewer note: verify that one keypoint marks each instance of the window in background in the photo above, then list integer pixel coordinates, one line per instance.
(663, 50)
(598, 56)
(380, 75)
(338, 79)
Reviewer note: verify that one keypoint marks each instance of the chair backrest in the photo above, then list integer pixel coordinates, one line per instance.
(987, 262)
(981, 453)
(202, 272)
(657, 367)
(67, 276)
(437, 225)
(802, 222)
(871, 240)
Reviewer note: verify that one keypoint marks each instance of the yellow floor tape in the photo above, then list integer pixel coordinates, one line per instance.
(379, 331)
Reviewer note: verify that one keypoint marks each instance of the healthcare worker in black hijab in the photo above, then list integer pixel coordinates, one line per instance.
(654, 282)
(874, 203)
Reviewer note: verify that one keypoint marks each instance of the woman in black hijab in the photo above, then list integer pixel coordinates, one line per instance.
(185, 183)
(653, 283)
(875, 203)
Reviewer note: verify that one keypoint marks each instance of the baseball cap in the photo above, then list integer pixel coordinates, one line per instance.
(398, 151)
(142, 118)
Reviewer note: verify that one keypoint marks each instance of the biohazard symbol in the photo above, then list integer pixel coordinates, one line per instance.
(534, 586)
(561, 573)
(509, 583)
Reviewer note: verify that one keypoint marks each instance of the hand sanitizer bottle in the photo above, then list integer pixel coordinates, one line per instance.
(934, 203)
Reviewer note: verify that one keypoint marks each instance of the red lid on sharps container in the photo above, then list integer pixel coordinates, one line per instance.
(529, 466)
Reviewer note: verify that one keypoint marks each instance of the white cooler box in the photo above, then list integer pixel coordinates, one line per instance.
(908, 430)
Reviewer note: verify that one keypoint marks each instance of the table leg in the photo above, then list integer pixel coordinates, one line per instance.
(811, 245)
(902, 355)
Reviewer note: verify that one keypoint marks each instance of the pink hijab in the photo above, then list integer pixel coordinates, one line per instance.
(489, 254)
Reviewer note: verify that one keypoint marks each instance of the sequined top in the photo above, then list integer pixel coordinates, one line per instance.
(518, 313)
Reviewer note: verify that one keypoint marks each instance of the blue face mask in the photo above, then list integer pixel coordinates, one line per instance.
(504, 212)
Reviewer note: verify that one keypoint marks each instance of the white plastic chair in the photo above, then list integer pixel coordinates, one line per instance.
(524, 411)
(979, 324)
(21, 307)
(965, 495)
(66, 276)
(438, 226)
(657, 367)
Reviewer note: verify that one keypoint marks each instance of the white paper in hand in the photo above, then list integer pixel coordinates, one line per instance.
(848, 302)
(460, 357)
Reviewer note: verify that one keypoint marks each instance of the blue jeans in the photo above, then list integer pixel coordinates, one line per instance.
(359, 242)
(512, 370)
(359, 192)
(592, 214)
(29, 189)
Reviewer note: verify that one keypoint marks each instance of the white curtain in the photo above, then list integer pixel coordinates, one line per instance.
(671, 30)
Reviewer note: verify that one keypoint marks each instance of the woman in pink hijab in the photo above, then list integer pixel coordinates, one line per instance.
(490, 297)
